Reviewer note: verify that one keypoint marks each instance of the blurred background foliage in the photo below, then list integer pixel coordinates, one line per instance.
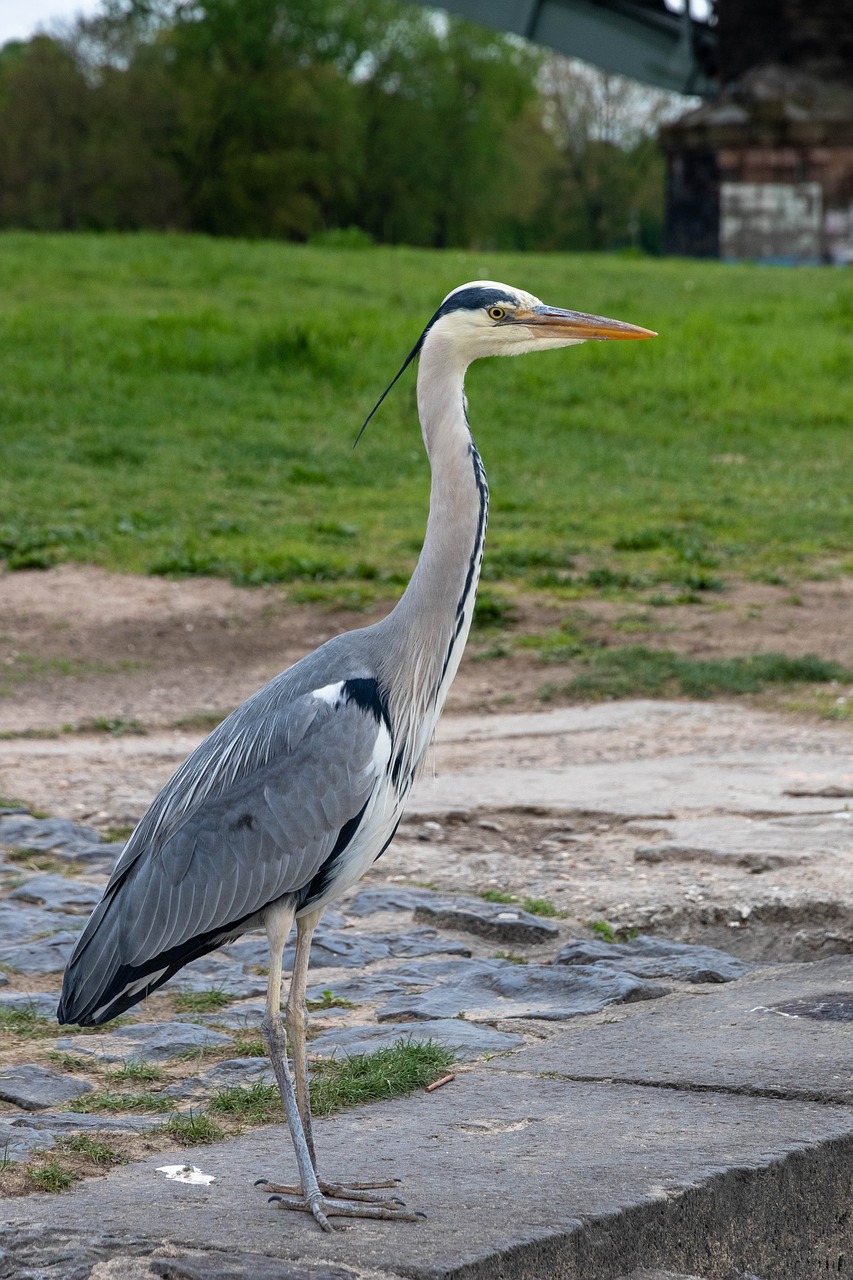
(361, 120)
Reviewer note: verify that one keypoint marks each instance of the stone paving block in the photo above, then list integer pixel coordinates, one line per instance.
(523, 991)
(498, 921)
(366, 901)
(520, 1178)
(35, 1088)
(241, 1072)
(215, 972)
(47, 955)
(244, 1015)
(146, 1042)
(734, 1038)
(18, 1144)
(649, 957)
(46, 835)
(19, 923)
(77, 1121)
(466, 1039)
(58, 893)
(38, 1004)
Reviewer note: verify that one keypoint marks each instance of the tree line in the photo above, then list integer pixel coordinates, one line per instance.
(367, 119)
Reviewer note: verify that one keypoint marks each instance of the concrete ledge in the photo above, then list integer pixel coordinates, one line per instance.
(521, 1177)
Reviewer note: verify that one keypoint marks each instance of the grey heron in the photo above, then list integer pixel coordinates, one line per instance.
(287, 803)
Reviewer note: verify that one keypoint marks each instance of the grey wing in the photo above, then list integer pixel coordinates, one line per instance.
(237, 827)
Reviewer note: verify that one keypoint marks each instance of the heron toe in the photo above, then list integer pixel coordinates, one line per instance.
(358, 1191)
(328, 1207)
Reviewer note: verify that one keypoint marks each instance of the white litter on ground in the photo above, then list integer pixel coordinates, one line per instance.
(186, 1173)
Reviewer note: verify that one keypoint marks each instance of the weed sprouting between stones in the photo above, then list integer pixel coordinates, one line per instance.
(202, 1001)
(389, 1073)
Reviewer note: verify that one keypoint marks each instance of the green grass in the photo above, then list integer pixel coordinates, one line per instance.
(194, 1129)
(25, 1024)
(328, 1000)
(113, 1101)
(388, 1073)
(497, 895)
(50, 1176)
(255, 1104)
(95, 1149)
(635, 671)
(185, 405)
(540, 907)
(202, 1001)
(136, 1072)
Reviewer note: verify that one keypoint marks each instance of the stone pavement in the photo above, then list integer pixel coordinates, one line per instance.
(639, 1109)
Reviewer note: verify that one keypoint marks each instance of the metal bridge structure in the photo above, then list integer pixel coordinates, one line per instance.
(642, 39)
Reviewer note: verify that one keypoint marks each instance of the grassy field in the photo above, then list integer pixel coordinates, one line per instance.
(182, 405)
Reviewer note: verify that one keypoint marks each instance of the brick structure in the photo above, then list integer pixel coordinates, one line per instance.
(765, 171)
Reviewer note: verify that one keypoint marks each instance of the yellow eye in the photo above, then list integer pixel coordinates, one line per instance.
(497, 313)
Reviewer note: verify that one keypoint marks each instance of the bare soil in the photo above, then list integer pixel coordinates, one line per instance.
(79, 644)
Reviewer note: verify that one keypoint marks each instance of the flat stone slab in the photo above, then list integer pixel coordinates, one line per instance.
(45, 835)
(332, 948)
(19, 923)
(754, 843)
(59, 893)
(648, 957)
(82, 1121)
(240, 1072)
(747, 1037)
(35, 1088)
(522, 991)
(66, 1255)
(38, 1004)
(467, 1040)
(217, 972)
(367, 901)
(517, 1182)
(498, 921)
(146, 1042)
(47, 955)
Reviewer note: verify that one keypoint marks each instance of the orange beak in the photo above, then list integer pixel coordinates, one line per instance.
(552, 322)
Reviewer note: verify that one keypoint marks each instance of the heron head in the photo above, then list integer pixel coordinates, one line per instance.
(485, 318)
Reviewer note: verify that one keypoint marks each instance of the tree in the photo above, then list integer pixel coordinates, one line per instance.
(606, 189)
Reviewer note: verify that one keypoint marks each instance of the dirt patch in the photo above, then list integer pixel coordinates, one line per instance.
(80, 646)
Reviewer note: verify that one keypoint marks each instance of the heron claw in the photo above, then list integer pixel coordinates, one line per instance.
(327, 1207)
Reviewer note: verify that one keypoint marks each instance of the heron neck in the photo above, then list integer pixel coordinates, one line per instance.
(431, 621)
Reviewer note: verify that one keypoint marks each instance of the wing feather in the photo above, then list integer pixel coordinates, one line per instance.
(252, 815)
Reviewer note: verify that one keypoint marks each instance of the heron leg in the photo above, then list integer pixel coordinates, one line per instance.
(309, 1197)
(295, 1015)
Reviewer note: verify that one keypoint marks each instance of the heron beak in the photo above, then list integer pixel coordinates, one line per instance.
(552, 322)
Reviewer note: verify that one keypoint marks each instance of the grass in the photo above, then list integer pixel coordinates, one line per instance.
(350, 1082)
(183, 405)
(540, 907)
(135, 1072)
(497, 895)
(194, 1129)
(95, 1149)
(637, 671)
(113, 1101)
(49, 1175)
(328, 1000)
(254, 1104)
(25, 1024)
(202, 1001)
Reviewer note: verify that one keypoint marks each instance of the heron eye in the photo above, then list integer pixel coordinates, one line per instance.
(497, 313)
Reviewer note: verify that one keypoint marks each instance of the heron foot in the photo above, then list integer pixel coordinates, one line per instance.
(338, 1190)
(325, 1207)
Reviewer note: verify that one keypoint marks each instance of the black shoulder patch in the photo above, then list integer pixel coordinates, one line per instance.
(367, 693)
